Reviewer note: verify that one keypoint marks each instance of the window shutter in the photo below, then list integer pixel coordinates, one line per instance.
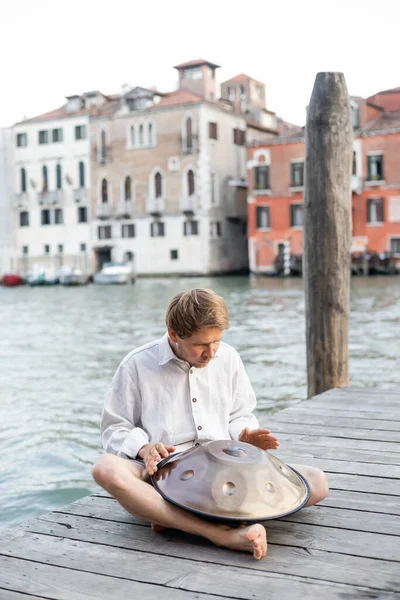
(369, 202)
(382, 172)
(381, 210)
(292, 214)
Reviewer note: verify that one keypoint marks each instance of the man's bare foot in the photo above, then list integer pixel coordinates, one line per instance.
(157, 528)
(248, 539)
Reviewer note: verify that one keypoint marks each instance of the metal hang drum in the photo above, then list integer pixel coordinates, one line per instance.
(227, 480)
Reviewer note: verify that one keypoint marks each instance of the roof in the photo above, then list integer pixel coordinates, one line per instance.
(392, 91)
(242, 77)
(388, 120)
(196, 63)
(254, 125)
(58, 113)
(178, 97)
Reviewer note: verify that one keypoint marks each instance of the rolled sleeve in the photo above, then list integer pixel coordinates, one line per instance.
(243, 403)
(121, 431)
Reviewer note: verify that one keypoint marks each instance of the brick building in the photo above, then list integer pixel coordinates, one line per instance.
(276, 185)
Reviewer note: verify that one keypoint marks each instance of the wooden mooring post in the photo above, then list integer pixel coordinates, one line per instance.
(327, 232)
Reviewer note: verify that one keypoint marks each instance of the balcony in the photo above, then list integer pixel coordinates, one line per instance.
(21, 200)
(155, 206)
(80, 194)
(48, 198)
(189, 204)
(356, 184)
(189, 145)
(102, 154)
(103, 210)
(235, 199)
(374, 180)
(125, 209)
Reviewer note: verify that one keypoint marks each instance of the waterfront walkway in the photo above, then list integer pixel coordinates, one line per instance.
(348, 547)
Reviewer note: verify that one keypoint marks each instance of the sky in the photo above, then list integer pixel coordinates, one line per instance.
(52, 48)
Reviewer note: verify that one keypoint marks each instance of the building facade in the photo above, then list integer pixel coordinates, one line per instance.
(6, 195)
(276, 186)
(169, 179)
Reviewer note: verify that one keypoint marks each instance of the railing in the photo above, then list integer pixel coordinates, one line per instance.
(80, 194)
(189, 145)
(21, 200)
(102, 154)
(189, 204)
(103, 210)
(53, 197)
(125, 209)
(155, 206)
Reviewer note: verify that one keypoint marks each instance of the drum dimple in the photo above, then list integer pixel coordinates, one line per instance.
(235, 451)
(186, 475)
(229, 488)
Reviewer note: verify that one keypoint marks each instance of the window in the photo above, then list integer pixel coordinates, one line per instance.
(150, 133)
(297, 174)
(375, 210)
(191, 228)
(239, 137)
(45, 217)
(104, 191)
(23, 180)
(261, 177)
(57, 135)
(158, 185)
(296, 215)
(354, 167)
(354, 115)
(212, 182)
(81, 173)
(104, 232)
(193, 73)
(132, 135)
(157, 229)
(43, 137)
(213, 131)
(231, 93)
(58, 177)
(25, 250)
(46, 249)
(242, 90)
(60, 248)
(189, 133)
(22, 140)
(82, 214)
(80, 132)
(82, 247)
(173, 254)
(103, 146)
(141, 135)
(190, 182)
(128, 230)
(58, 216)
(215, 229)
(44, 179)
(258, 92)
(128, 189)
(262, 217)
(395, 245)
(375, 167)
(24, 219)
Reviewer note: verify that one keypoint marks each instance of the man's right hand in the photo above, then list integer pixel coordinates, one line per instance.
(151, 454)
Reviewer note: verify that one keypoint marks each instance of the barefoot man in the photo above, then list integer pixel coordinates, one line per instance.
(174, 393)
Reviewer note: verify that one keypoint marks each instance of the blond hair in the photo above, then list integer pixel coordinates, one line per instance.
(189, 311)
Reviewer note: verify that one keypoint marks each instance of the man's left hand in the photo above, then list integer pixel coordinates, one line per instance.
(262, 438)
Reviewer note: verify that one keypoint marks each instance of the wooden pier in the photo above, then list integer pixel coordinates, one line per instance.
(348, 547)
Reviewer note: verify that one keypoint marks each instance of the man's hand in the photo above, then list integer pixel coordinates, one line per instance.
(151, 454)
(259, 437)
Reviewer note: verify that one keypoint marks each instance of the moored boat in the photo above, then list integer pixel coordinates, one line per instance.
(116, 273)
(12, 279)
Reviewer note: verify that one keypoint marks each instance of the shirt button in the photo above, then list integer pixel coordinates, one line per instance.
(194, 399)
(191, 371)
(199, 427)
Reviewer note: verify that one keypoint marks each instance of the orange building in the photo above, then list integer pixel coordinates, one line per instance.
(276, 185)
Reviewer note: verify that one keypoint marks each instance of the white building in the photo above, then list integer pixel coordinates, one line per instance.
(6, 213)
(51, 185)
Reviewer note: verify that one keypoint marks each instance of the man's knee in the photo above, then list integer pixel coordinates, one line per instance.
(106, 471)
(318, 482)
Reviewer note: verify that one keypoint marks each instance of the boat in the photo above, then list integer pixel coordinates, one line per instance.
(12, 280)
(115, 273)
(41, 276)
(72, 277)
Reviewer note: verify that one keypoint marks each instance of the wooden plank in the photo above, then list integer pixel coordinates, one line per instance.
(101, 508)
(361, 483)
(310, 429)
(295, 449)
(312, 417)
(10, 595)
(329, 539)
(360, 501)
(339, 443)
(341, 466)
(357, 398)
(109, 558)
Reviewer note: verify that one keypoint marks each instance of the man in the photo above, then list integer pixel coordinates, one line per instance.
(172, 394)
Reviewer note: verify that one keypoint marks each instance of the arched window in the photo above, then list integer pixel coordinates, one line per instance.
(104, 191)
(158, 185)
(58, 177)
(190, 182)
(141, 135)
(128, 189)
(133, 136)
(189, 133)
(81, 174)
(103, 149)
(44, 179)
(23, 180)
(150, 134)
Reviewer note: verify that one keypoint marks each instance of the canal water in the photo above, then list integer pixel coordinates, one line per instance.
(59, 348)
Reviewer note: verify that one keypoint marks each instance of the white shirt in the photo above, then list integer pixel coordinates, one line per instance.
(157, 397)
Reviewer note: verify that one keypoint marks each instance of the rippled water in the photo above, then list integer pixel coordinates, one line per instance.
(59, 348)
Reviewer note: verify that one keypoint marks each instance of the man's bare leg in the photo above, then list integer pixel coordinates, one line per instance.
(317, 481)
(123, 479)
